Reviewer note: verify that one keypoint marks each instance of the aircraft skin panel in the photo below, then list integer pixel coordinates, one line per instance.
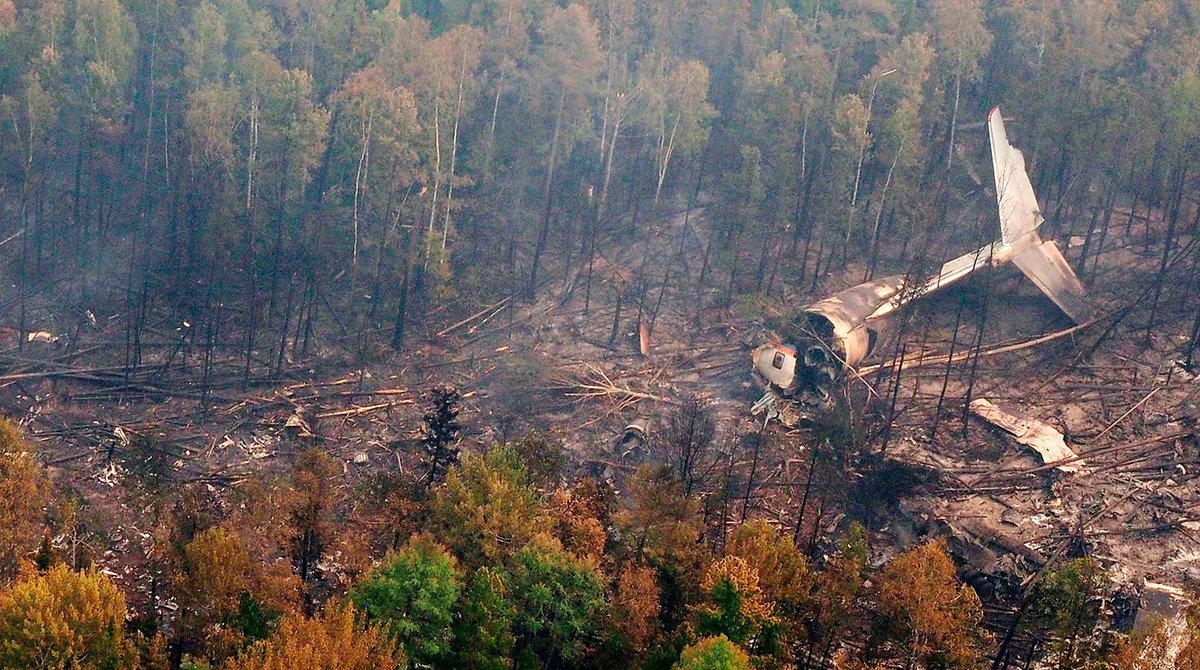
(1019, 211)
(1045, 265)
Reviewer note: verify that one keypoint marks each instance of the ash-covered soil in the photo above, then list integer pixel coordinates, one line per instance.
(903, 454)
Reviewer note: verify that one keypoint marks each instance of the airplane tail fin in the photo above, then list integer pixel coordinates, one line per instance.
(1020, 217)
(1019, 211)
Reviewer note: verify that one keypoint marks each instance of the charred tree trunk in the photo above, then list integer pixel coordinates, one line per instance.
(981, 326)
(687, 214)
(1190, 358)
(1168, 244)
(616, 324)
(211, 333)
(547, 198)
(726, 498)
(758, 446)
(410, 261)
(283, 332)
(1081, 266)
(601, 211)
(808, 481)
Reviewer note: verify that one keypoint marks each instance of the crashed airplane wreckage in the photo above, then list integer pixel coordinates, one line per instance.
(839, 332)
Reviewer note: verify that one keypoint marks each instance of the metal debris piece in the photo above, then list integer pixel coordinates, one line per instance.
(41, 336)
(298, 425)
(258, 445)
(1046, 441)
(110, 475)
(633, 438)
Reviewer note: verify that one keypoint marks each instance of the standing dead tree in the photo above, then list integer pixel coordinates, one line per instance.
(687, 444)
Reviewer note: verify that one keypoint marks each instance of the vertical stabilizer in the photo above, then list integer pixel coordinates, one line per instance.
(1019, 211)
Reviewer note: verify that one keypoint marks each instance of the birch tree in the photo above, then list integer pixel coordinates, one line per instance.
(379, 127)
(677, 112)
(562, 79)
(961, 40)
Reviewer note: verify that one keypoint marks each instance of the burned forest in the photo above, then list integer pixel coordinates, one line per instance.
(685, 334)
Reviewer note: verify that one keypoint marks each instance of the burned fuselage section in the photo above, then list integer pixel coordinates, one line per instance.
(831, 336)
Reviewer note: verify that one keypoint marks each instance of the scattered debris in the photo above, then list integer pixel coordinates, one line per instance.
(549, 366)
(258, 445)
(1046, 441)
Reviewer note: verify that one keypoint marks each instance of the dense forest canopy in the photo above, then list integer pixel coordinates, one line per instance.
(290, 182)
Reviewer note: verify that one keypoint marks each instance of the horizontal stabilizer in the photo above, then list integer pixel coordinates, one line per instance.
(1044, 264)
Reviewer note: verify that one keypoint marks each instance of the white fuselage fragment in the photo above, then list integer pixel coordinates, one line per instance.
(1037, 435)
